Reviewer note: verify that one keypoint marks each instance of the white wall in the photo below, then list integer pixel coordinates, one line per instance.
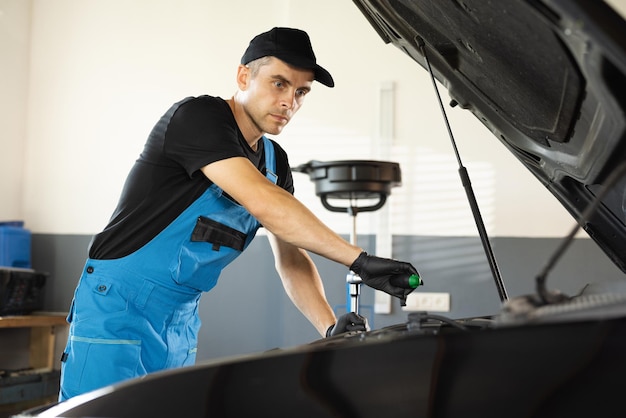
(14, 66)
(97, 74)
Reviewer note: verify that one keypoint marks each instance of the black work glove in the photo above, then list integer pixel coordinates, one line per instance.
(347, 322)
(385, 274)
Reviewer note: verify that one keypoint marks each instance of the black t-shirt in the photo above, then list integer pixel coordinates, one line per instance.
(166, 178)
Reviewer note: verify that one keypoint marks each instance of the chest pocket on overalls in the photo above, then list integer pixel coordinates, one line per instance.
(218, 235)
(222, 230)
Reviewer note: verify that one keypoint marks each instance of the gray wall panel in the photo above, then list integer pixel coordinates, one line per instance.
(63, 256)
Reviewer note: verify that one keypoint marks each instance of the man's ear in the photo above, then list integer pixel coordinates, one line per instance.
(243, 77)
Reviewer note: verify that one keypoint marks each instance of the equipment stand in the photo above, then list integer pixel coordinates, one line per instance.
(352, 180)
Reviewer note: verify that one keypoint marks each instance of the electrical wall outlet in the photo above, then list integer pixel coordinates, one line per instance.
(427, 301)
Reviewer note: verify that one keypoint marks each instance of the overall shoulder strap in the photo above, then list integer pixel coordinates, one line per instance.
(270, 160)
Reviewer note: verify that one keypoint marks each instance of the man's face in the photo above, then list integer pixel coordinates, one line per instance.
(274, 94)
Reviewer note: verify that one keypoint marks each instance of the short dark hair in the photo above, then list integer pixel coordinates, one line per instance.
(255, 65)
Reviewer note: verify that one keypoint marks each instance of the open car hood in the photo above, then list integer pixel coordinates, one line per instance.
(545, 77)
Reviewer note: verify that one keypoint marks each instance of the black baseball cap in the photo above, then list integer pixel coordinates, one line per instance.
(290, 45)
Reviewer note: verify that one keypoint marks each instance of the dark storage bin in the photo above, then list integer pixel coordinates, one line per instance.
(21, 291)
(24, 386)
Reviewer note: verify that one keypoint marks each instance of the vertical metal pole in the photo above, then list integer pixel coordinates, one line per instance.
(353, 281)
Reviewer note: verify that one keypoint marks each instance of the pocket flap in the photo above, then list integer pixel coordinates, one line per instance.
(207, 230)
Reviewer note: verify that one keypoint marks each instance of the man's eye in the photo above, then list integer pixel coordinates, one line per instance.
(301, 93)
(278, 84)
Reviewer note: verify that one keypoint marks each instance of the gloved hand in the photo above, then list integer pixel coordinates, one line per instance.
(347, 322)
(385, 274)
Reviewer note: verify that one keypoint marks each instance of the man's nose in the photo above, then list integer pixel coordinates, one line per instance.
(288, 99)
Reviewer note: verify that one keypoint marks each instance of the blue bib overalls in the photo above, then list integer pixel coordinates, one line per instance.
(139, 313)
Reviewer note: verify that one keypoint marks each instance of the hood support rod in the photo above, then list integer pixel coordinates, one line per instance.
(469, 191)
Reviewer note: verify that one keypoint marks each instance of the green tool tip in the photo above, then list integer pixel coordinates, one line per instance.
(414, 281)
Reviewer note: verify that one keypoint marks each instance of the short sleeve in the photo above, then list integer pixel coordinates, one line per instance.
(202, 131)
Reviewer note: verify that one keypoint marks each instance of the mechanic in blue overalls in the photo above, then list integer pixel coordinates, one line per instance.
(206, 180)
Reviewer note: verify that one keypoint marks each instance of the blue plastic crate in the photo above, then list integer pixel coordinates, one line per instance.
(15, 245)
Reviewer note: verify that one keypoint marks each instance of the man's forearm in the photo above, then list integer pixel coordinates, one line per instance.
(302, 283)
(294, 223)
(279, 211)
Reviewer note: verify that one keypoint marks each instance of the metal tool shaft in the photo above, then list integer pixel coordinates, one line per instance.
(352, 279)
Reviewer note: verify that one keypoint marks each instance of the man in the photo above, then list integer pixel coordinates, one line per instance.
(206, 180)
